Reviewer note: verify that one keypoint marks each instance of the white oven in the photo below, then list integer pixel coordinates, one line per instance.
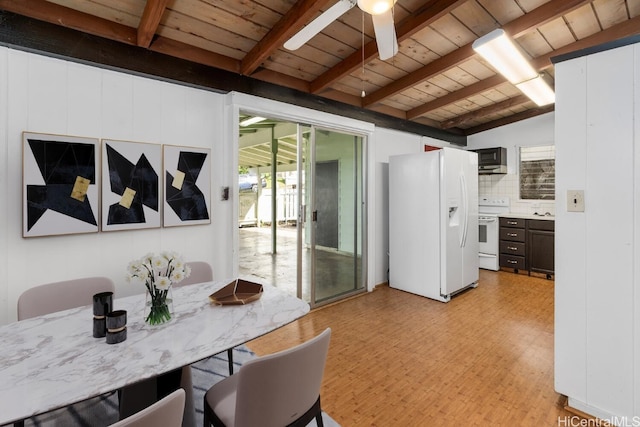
(488, 234)
(488, 230)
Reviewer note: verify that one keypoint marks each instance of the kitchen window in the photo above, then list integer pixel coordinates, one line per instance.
(538, 172)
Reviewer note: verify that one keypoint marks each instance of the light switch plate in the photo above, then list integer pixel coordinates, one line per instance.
(575, 200)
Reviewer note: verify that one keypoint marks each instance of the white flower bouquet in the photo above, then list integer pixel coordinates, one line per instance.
(158, 272)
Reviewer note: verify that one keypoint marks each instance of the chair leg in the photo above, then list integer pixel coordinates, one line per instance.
(230, 359)
(314, 412)
(205, 418)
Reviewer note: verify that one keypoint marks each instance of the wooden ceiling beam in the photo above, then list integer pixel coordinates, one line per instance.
(426, 15)
(291, 23)
(194, 54)
(618, 31)
(69, 18)
(511, 119)
(482, 112)
(458, 95)
(151, 16)
(55, 14)
(515, 28)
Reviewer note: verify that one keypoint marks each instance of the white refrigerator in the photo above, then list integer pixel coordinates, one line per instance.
(433, 222)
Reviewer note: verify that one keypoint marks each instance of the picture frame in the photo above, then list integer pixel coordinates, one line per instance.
(131, 185)
(60, 184)
(187, 185)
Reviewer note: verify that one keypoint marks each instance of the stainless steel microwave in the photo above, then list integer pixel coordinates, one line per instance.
(492, 160)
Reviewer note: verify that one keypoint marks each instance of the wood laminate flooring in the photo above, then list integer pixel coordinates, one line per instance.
(398, 359)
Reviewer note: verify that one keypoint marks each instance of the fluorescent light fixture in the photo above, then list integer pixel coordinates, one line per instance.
(251, 121)
(538, 90)
(503, 55)
(376, 7)
(498, 49)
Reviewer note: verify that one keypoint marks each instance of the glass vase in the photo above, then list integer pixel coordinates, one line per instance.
(158, 308)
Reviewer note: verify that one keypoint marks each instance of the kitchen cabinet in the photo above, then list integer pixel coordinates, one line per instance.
(527, 244)
(540, 246)
(513, 248)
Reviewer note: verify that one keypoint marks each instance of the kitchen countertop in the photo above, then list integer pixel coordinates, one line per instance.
(527, 216)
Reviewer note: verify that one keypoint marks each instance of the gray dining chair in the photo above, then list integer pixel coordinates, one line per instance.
(277, 390)
(59, 296)
(142, 394)
(166, 412)
(201, 271)
(63, 295)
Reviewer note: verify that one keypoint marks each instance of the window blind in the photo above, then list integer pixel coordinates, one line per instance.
(538, 172)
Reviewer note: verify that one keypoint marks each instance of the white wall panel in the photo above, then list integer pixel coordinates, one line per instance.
(387, 143)
(4, 184)
(570, 234)
(53, 96)
(147, 111)
(84, 95)
(47, 91)
(200, 120)
(608, 194)
(173, 115)
(17, 121)
(117, 105)
(636, 229)
(597, 264)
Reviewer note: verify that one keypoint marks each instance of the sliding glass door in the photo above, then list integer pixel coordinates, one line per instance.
(332, 225)
(301, 208)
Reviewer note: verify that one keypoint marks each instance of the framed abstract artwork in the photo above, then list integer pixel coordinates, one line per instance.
(60, 188)
(131, 185)
(187, 185)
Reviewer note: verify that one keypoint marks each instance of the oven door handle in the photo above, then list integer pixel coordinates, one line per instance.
(487, 220)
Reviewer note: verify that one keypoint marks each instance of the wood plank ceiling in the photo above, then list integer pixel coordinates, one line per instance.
(435, 80)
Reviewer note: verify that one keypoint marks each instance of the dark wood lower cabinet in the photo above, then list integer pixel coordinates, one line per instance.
(541, 252)
(527, 244)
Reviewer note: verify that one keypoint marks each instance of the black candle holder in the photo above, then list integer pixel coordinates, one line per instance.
(102, 304)
(116, 326)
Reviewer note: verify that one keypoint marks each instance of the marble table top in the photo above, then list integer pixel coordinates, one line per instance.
(52, 361)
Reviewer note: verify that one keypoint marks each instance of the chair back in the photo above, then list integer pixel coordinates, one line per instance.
(276, 389)
(166, 412)
(58, 296)
(200, 272)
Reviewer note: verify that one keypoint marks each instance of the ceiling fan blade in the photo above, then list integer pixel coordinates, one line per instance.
(385, 34)
(318, 24)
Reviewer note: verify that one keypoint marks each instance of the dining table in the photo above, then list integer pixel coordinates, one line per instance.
(52, 361)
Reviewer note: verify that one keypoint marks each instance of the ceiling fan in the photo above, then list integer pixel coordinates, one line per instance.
(381, 12)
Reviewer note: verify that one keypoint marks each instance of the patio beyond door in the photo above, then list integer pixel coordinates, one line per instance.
(302, 226)
(331, 229)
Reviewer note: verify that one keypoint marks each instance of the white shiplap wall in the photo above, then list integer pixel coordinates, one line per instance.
(43, 94)
(597, 286)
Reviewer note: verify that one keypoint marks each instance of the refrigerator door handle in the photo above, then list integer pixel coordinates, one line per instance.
(465, 211)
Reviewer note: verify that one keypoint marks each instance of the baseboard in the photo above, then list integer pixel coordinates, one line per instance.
(582, 410)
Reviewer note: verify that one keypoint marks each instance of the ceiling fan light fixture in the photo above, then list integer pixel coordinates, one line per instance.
(376, 7)
(503, 55)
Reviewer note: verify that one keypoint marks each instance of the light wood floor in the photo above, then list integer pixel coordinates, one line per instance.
(397, 359)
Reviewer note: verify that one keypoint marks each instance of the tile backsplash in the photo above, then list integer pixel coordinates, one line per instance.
(507, 185)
